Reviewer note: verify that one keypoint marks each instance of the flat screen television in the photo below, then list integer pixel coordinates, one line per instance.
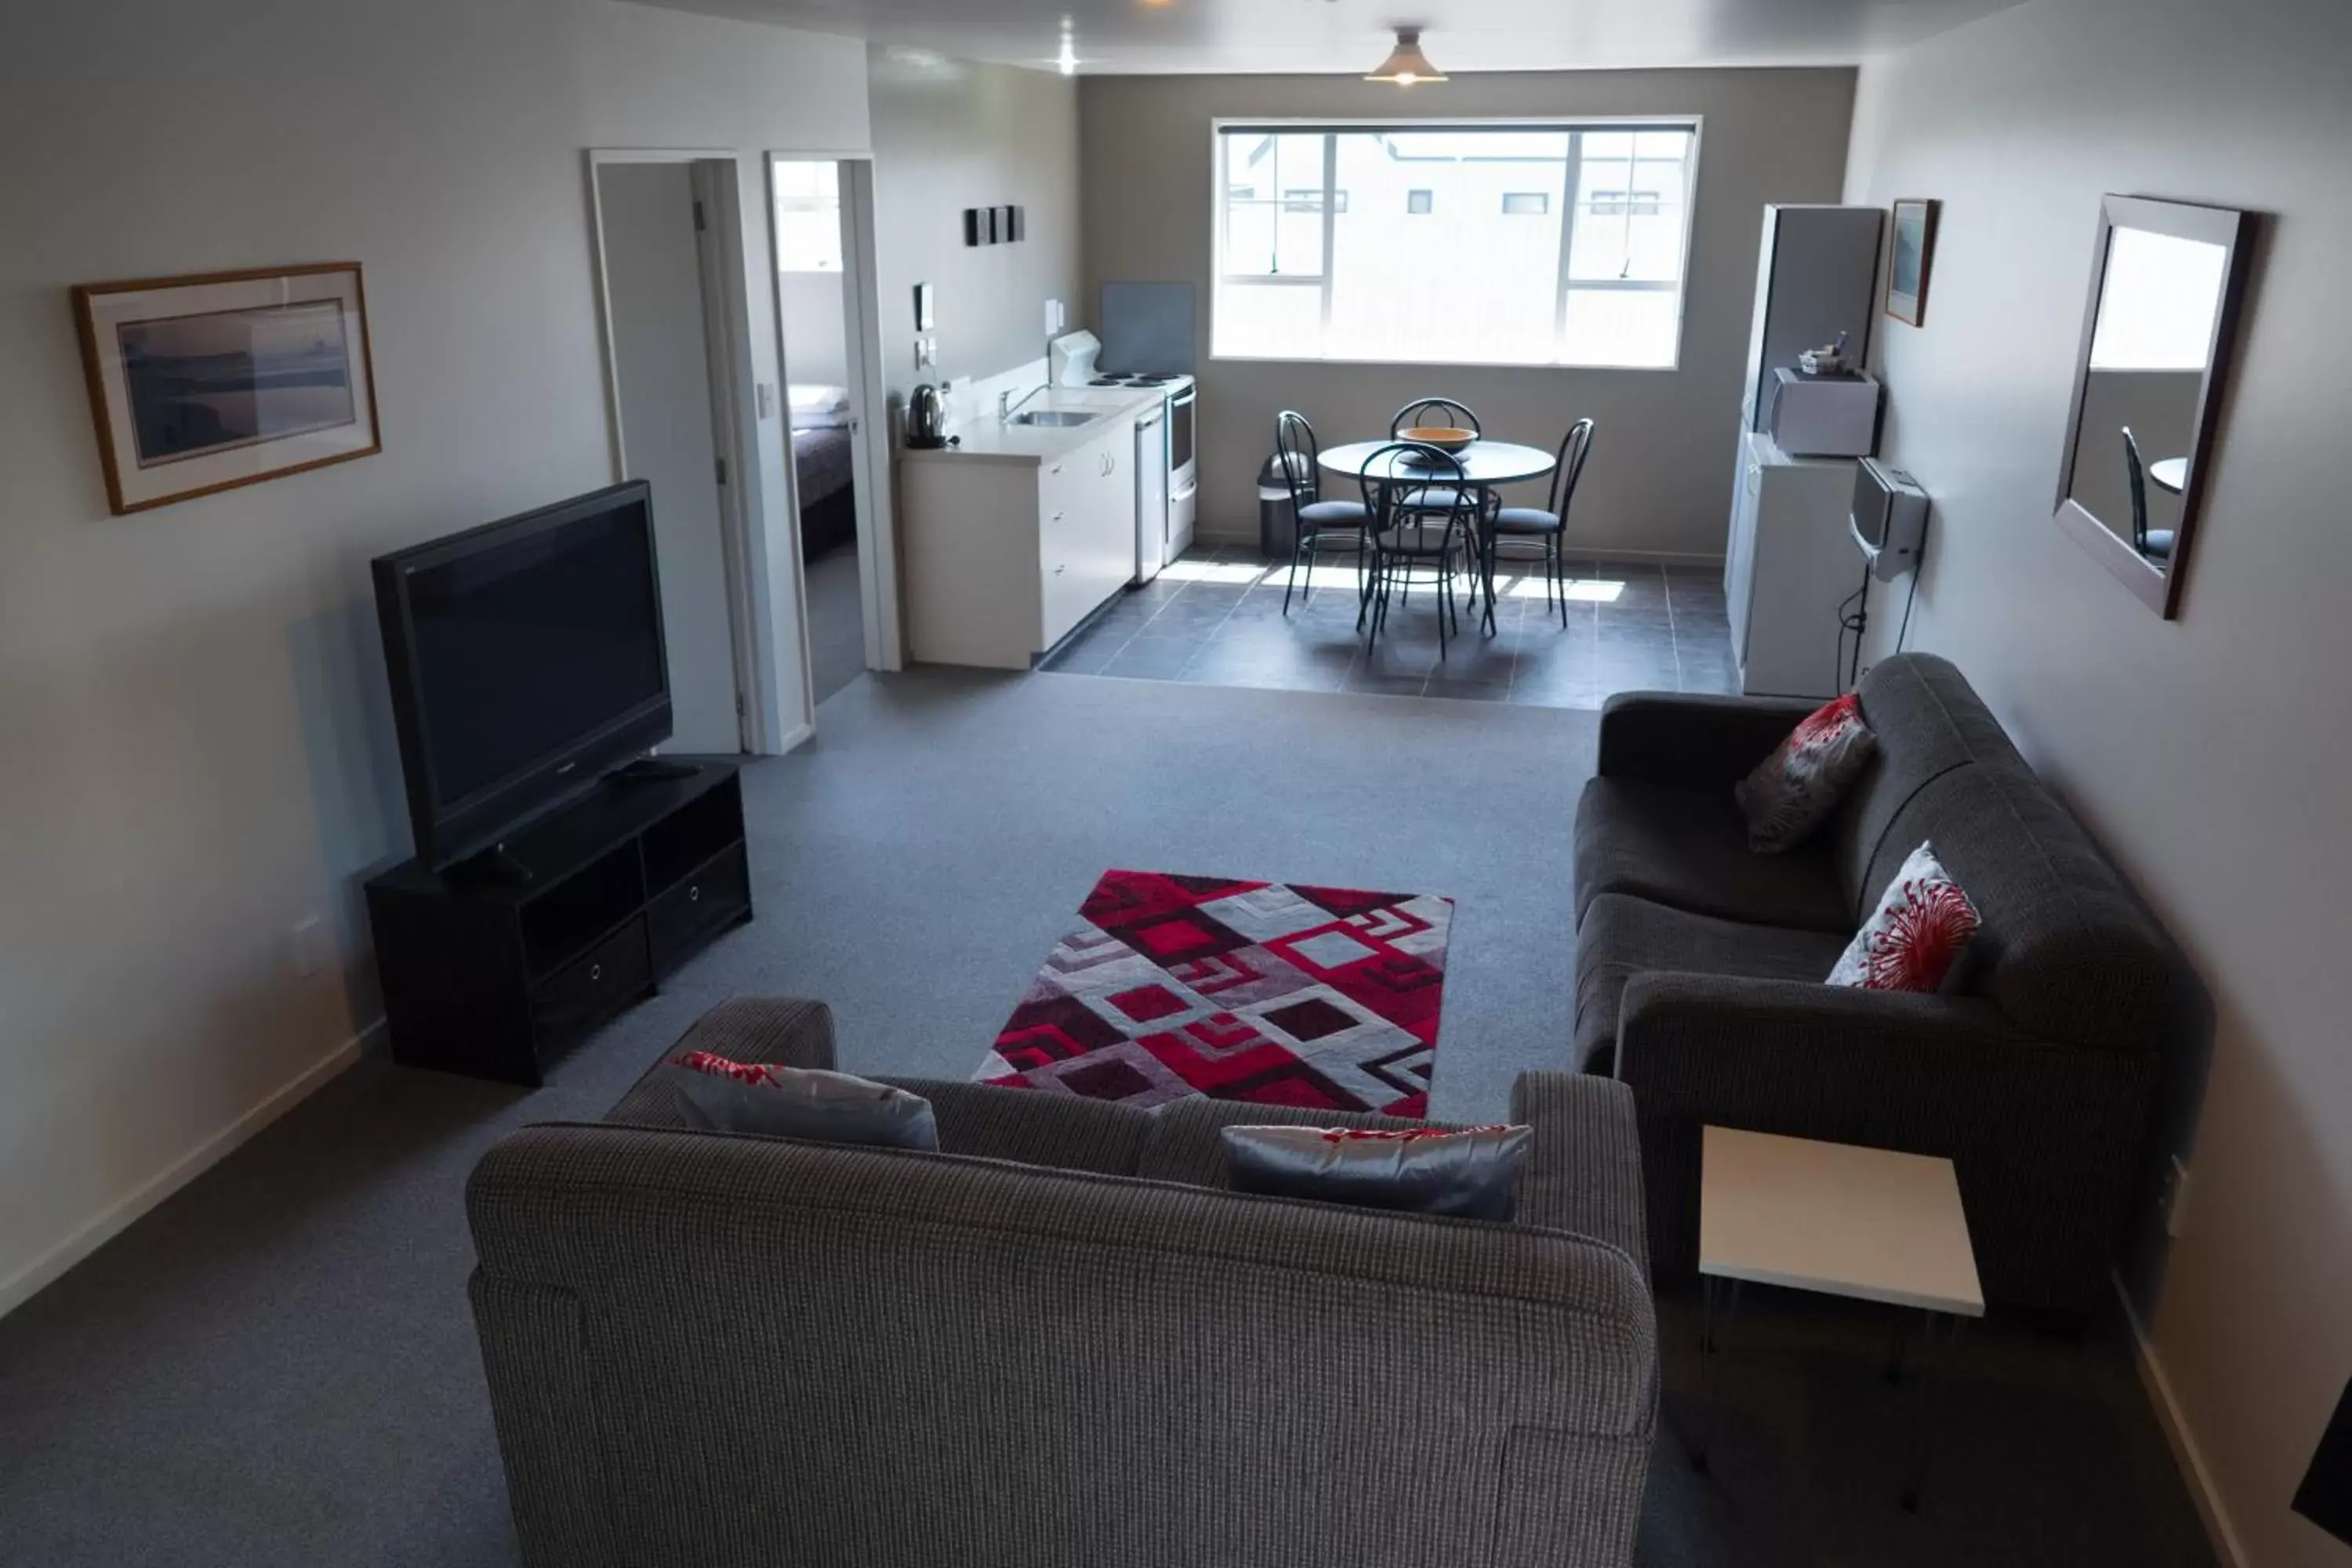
(526, 660)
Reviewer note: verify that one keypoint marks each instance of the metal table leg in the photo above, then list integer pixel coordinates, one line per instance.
(1721, 1305)
(1939, 1337)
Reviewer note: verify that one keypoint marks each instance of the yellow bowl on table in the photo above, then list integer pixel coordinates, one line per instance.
(1444, 437)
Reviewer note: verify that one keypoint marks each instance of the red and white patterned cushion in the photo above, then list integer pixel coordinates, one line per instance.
(1794, 791)
(1911, 941)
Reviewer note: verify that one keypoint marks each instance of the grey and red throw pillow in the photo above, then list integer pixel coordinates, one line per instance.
(1921, 925)
(1467, 1172)
(1794, 791)
(723, 1096)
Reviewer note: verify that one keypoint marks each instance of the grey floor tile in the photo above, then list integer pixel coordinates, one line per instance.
(1358, 681)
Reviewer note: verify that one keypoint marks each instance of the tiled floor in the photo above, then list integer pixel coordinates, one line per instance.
(1215, 619)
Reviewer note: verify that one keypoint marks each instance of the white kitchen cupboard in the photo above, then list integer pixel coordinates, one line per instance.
(1005, 554)
(1789, 563)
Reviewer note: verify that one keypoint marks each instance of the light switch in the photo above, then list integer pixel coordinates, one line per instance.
(767, 399)
(1056, 319)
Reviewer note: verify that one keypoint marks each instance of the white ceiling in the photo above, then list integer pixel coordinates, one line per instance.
(1352, 36)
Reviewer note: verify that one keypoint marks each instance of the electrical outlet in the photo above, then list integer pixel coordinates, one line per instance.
(310, 948)
(927, 353)
(2175, 1198)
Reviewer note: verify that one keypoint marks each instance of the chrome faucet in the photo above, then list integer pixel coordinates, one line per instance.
(1006, 408)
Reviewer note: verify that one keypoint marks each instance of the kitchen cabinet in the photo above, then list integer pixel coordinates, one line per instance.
(1006, 552)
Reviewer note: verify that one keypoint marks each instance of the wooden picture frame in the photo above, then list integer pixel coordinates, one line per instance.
(1911, 257)
(212, 381)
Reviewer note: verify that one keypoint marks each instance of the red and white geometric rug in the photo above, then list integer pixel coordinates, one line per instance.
(1324, 998)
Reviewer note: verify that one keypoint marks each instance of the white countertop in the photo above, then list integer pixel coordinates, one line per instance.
(985, 440)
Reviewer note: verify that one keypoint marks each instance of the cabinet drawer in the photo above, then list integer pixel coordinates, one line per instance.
(716, 893)
(608, 977)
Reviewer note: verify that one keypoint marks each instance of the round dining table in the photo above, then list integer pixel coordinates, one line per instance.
(2171, 474)
(1485, 465)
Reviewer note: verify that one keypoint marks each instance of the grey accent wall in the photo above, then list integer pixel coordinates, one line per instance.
(200, 750)
(2209, 753)
(950, 134)
(1661, 474)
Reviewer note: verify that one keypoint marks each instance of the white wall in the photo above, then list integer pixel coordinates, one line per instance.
(199, 750)
(2209, 753)
(1660, 479)
(948, 135)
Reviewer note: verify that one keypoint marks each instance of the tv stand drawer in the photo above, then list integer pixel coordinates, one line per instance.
(712, 897)
(602, 981)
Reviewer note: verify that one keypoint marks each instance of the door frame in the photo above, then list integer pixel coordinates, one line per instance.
(870, 446)
(716, 174)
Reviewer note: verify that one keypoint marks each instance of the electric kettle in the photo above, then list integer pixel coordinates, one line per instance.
(926, 417)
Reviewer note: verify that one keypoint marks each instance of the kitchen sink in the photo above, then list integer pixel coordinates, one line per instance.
(1059, 418)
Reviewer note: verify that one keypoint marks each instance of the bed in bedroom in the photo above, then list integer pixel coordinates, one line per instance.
(821, 458)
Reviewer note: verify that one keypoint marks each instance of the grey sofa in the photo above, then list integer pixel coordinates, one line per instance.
(1699, 969)
(1059, 1343)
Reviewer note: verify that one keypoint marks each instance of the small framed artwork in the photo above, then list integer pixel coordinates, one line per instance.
(205, 382)
(1913, 259)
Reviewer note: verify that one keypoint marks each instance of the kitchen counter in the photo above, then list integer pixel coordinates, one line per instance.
(986, 440)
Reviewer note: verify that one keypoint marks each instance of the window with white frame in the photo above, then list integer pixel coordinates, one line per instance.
(1553, 244)
(808, 217)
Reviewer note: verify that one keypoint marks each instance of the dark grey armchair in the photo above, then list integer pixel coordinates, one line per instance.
(1700, 969)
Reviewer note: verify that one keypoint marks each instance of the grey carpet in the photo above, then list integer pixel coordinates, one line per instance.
(276, 1366)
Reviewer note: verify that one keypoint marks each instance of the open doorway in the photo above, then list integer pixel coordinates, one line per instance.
(662, 268)
(821, 206)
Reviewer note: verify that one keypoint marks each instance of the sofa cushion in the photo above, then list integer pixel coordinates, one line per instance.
(2063, 947)
(1929, 722)
(1469, 1174)
(1185, 1142)
(1918, 933)
(1060, 1131)
(1688, 848)
(815, 1103)
(1064, 1131)
(1798, 787)
(1622, 937)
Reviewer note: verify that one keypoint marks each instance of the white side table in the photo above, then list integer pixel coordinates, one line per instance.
(1867, 1224)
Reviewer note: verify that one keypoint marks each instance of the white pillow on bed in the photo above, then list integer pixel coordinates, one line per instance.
(815, 406)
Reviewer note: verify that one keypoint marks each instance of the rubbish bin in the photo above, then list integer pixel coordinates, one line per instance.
(1277, 522)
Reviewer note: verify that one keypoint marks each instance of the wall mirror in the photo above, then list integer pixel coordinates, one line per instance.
(2166, 280)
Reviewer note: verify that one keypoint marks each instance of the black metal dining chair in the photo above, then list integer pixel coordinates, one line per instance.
(1547, 524)
(1406, 534)
(2155, 544)
(1315, 518)
(1442, 413)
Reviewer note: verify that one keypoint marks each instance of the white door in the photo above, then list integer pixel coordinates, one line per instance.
(661, 365)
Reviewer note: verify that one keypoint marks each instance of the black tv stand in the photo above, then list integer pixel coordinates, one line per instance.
(497, 866)
(650, 770)
(496, 966)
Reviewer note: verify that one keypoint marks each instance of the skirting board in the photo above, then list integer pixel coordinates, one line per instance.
(2183, 1442)
(121, 1214)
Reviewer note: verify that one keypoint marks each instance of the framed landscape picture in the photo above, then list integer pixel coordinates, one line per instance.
(205, 382)
(1915, 256)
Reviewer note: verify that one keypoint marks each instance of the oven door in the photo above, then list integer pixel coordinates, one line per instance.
(1179, 436)
(1183, 477)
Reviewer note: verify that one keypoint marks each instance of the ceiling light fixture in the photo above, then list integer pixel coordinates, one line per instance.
(1068, 60)
(1406, 64)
